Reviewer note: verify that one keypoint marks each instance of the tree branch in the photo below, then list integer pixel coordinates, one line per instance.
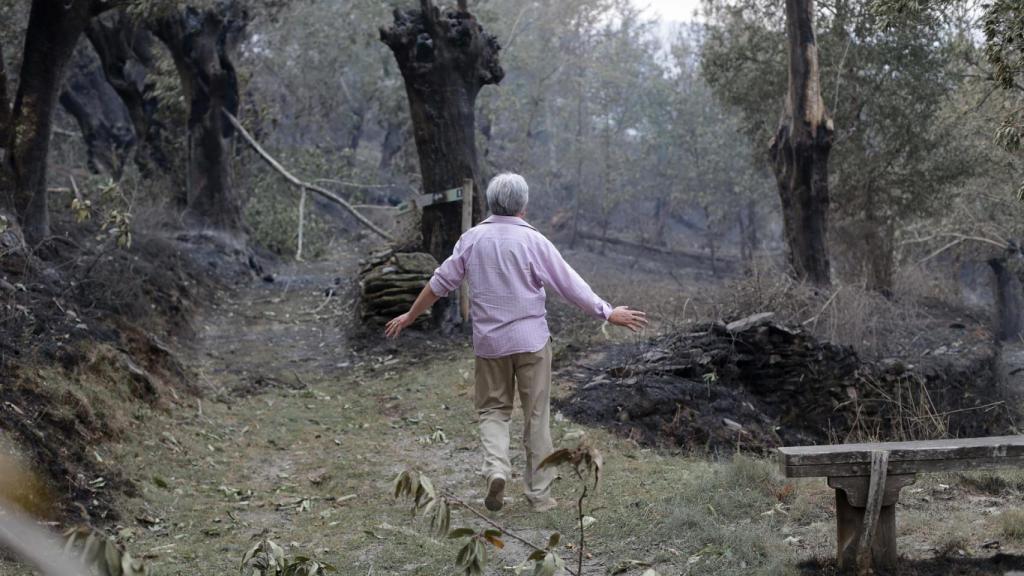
(504, 530)
(299, 183)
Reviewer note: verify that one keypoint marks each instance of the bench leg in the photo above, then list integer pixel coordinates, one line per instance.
(851, 502)
(849, 526)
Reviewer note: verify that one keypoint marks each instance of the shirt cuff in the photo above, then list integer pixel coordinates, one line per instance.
(437, 286)
(604, 309)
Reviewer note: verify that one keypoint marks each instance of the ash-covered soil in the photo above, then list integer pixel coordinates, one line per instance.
(755, 384)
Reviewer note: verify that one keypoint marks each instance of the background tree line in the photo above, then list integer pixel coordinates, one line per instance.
(628, 129)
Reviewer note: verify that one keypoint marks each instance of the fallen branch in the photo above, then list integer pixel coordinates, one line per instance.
(351, 184)
(301, 184)
(615, 240)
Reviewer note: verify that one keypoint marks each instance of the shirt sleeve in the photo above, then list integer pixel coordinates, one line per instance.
(555, 273)
(448, 276)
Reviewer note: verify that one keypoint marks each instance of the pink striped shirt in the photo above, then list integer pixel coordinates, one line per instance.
(508, 264)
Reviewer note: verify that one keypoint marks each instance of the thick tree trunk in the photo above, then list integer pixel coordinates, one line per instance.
(751, 238)
(445, 59)
(391, 145)
(53, 31)
(662, 207)
(126, 52)
(800, 149)
(879, 255)
(101, 116)
(5, 103)
(6, 186)
(1009, 294)
(201, 44)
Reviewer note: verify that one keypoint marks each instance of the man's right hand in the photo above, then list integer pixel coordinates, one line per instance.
(397, 324)
(635, 320)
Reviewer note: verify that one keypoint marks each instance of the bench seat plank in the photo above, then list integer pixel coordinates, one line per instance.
(904, 457)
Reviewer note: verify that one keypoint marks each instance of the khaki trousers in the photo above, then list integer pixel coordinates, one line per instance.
(496, 382)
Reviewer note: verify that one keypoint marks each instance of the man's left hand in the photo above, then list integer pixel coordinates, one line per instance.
(635, 320)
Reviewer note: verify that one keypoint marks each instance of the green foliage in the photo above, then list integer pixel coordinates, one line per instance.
(472, 556)
(887, 90)
(267, 558)
(101, 554)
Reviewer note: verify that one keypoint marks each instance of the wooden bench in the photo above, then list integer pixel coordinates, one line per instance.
(868, 478)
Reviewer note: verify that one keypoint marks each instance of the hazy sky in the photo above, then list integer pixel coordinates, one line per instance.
(671, 10)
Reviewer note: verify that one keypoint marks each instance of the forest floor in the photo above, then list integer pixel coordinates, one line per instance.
(304, 424)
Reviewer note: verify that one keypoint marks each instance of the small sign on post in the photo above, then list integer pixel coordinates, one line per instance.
(451, 195)
(467, 223)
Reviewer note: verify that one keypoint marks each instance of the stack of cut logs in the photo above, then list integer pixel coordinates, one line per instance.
(389, 283)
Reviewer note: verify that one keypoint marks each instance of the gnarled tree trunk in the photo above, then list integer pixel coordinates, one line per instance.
(5, 103)
(101, 115)
(1009, 294)
(126, 52)
(800, 149)
(445, 59)
(53, 30)
(202, 44)
(6, 191)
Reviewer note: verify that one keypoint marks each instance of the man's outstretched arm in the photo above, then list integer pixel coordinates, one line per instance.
(556, 273)
(423, 302)
(446, 279)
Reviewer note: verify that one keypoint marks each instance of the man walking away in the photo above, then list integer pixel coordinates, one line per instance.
(508, 264)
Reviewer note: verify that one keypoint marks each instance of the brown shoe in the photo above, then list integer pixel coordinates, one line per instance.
(495, 493)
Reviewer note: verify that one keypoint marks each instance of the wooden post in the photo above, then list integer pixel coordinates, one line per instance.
(854, 502)
(302, 223)
(467, 223)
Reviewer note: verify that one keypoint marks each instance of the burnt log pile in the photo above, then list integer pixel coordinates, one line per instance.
(389, 283)
(755, 384)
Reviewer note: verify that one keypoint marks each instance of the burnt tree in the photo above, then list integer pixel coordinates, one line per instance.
(53, 31)
(445, 59)
(5, 103)
(126, 50)
(100, 114)
(1009, 293)
(800, 149)
(10, 233)
(202, 43)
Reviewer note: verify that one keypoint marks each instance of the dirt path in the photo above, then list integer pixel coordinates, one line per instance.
(300, 436)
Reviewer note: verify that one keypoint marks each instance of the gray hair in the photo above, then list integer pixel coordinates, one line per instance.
(507, 194)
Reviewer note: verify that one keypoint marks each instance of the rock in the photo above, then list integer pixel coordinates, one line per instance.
(732, 424)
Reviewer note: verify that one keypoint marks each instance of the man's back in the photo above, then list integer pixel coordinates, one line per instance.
(508, 263)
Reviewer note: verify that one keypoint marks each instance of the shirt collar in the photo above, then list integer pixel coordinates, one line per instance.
(516, 220)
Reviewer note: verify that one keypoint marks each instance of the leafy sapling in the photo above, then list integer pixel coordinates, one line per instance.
(472, 556)
(101, 554)
(586, 462)
(267, 558)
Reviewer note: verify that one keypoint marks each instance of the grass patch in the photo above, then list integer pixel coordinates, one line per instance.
(1011, 524)
(993, 483)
